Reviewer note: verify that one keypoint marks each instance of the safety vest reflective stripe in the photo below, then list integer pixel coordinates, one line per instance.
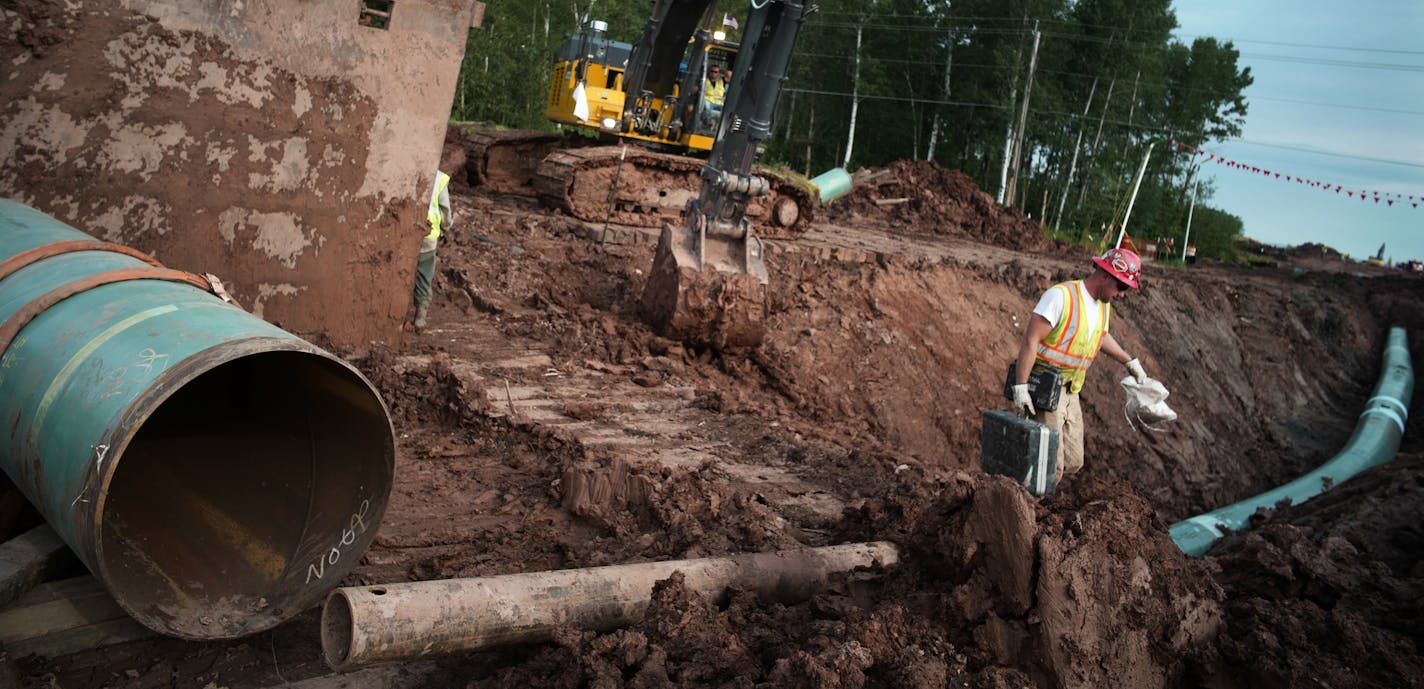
(1071, 346)
(432, 214)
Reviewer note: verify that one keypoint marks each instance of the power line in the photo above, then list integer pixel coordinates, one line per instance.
(1076, 23)
(966, 65)
(1332, 154)
(1354, 64)
(1335, 63)
(1120, 123)
(1318, 46)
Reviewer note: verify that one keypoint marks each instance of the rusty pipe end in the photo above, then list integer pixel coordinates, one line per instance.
(337, 632)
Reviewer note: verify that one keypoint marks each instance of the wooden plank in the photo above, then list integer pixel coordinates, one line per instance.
(72, 587)
(30, 558)
(81, 638)
(403, 676)
(58, 614)
(63, 617)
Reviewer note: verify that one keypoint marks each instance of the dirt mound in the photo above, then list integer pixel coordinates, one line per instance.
(1329, 583)
(997, 590)
(924, 197)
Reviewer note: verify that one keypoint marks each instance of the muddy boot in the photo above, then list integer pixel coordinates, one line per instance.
(420, 313)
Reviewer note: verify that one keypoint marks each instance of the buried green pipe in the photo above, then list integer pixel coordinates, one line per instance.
(218, 474)
(1375, 441)
(832, 184)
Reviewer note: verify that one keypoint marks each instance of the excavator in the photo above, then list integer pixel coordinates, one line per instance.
(646, 104)
(649, 95)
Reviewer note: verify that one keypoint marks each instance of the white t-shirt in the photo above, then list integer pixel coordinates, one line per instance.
(1050, 306)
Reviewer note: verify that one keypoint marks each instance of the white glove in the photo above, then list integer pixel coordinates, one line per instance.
(1023, 404)
(1135, 368)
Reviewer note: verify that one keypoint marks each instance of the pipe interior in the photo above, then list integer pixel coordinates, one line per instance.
(336, 631)
(239, 498)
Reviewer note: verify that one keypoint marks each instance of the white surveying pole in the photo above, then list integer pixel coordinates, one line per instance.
(1190, 208)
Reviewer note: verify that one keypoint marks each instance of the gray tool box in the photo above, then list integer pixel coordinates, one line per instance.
(1022, 449)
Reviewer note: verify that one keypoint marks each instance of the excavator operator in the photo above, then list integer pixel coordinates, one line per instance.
(714, 94)
(1066, 329)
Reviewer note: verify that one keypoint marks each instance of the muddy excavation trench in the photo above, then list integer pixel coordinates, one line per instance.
(541, 425)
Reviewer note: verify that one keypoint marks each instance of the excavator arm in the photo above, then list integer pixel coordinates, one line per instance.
(708, 281)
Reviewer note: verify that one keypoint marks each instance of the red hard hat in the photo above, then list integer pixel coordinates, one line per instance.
(1122, 264)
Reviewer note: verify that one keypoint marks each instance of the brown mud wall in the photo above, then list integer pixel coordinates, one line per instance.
(1257, 366)
(275, 143)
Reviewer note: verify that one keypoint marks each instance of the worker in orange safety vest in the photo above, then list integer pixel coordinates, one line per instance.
(1066, 330)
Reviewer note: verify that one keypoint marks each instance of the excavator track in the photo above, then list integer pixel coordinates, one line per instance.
(506, 161)
(628, 185)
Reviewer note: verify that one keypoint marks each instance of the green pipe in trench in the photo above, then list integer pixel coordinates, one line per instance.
(1374, 442)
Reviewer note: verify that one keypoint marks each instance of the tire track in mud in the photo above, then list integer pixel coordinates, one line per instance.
(636, 429)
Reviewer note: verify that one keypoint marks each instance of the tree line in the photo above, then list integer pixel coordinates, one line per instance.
(1050, 105)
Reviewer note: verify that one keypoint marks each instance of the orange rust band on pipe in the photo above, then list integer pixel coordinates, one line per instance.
(362, 625)
(40, 304)
(42, 252)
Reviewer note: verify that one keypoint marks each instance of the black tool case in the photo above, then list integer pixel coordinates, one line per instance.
(1045, 385)
(1022, 449)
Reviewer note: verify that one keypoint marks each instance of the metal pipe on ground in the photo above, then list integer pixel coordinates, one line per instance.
(363, 625)
(218, 474)
(1374, 442)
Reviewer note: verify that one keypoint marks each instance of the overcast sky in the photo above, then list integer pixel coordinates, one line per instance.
(1338, 99)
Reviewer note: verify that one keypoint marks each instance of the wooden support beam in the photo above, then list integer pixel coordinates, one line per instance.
(63, 617)
(30, 558)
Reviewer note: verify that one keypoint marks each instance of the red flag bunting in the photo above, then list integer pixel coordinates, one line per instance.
(1364, 193)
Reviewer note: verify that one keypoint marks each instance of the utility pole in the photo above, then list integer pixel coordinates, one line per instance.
(854, 96)
(948, 60)
(1131, 111)
(1004, 169)
(790, 120)
(1077, 146)
(1023, 118)
(1097, 138)
(810, 136)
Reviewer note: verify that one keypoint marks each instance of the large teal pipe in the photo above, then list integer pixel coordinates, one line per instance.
(1375, 441)
(217, 473)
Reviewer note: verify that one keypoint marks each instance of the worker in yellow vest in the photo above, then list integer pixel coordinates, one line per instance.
(1066, 330)
(714, 95)
(440, 218)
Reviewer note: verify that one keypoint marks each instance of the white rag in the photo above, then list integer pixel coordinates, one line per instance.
(1147, 403)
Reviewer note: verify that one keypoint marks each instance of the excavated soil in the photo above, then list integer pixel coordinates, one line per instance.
(541, 425)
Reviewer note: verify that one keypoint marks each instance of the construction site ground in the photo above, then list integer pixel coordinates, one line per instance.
(541, 425)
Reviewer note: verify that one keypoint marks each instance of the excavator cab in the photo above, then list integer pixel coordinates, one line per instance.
(588, 90)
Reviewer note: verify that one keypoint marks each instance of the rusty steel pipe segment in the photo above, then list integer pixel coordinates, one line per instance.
(218, 474)
(363, 625)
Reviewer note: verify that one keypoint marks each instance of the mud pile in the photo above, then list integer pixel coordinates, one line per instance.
(923, 197)
(542, 425)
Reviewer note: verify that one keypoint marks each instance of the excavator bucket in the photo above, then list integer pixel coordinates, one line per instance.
(707, 289)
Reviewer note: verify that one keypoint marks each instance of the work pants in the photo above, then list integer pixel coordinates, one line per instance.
(1067, 419)
(424, 277)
